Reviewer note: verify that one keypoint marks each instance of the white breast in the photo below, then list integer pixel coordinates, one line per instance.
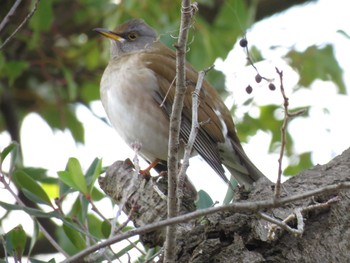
(126, 94)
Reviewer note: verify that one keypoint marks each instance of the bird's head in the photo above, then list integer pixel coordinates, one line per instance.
(132, 36)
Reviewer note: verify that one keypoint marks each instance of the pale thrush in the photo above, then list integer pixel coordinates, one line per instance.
(140, 78)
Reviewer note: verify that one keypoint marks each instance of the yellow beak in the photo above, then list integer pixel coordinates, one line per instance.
(109, 34)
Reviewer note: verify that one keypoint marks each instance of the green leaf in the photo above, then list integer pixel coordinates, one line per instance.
(64, 118)
(255, 54)
(302, 162)
(43, 17)
(71, 84)
(151, 252)
(93, 173)
(76, 172)
(67, 178)
(13, 69)
(31, 188)
(12, 149)
(265, 122)
(126, 249)
(79, 209)
(38, 174)
(317, 63)
(92, 57)
(75, 237)
(230, 194)
(34, 237)
(15, 242)
(204, 200)
(106, 228)
(32, 196)
(95, 226)
(217, 80)
(30, 211)
(74, 125)
(97, 195)
(345, 34)
(64, 188)
(73, 176)
(89, 91)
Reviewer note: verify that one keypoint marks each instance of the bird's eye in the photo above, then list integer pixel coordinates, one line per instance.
(132, 36)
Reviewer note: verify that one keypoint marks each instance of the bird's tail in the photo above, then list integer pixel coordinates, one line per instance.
(241, 167)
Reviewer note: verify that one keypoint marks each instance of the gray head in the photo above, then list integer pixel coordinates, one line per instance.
(133, 35)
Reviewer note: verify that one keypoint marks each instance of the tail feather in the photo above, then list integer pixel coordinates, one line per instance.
(240, 166)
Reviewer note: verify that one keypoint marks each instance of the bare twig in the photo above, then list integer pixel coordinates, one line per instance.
(22, 24)
(9, 14)
(237, 207)
(175, 121)
(300, 222)
(276, 223)
(167, 93)
(191, 138)
(287, 116)
(283, 135)
(298, 215)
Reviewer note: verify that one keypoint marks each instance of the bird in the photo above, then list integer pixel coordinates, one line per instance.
(137, 92)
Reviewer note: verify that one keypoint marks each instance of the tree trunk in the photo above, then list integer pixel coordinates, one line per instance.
(238, 237)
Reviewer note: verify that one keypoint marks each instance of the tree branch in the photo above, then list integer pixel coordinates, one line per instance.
(191, 139)
(287, 117)
(9, 14)
(237, 207)
(175, 122)
(22, 24)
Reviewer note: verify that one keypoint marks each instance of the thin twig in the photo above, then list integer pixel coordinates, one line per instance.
(22, 24)
(237, 207)
(298, 215)
(283, 135)
(300, 222)
(287, 116)
(175, 122)
(167, 93)
(9, 14)
(277, 222)
(191, 139)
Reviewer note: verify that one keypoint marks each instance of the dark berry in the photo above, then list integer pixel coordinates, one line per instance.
(243, 42)
(272, 86)
(258, 78)
(249, 89)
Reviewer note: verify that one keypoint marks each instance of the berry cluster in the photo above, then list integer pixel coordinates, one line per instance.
(258, 78)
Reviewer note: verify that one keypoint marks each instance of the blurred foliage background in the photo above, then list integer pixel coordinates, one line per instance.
(54, 64)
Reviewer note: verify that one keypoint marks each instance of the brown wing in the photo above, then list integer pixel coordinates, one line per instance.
(210, 133)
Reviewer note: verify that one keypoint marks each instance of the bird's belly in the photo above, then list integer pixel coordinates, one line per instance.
(128, 102)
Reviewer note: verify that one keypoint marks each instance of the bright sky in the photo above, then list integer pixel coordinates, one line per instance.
(323, 133)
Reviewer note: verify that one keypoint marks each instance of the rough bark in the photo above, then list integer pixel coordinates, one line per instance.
(143, 198)
(233, 237)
